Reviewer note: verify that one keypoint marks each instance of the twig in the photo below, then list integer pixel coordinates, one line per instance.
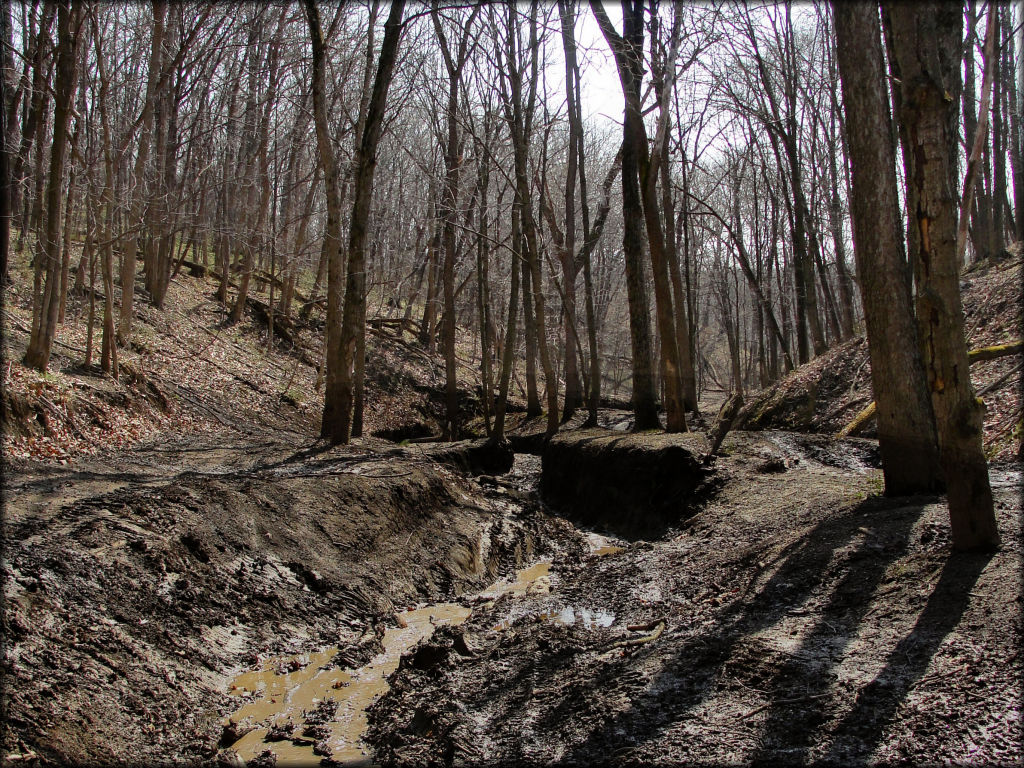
(659, 627)
(797, 700)
(1001, 380)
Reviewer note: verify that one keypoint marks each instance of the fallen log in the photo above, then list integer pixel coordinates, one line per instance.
(996, 351)
(861, 420)
(723, 423)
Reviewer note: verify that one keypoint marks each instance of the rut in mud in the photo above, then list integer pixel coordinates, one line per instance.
(134, 597)
(795, 617)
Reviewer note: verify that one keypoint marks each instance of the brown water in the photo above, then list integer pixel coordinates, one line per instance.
(283, 698)
(287, 689)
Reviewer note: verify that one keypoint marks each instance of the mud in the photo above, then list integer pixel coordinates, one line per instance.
(304, 706)
(636, 485)
(796, 618)
(248, 596)
(133, 596)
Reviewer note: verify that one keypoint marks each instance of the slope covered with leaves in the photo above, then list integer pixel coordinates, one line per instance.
(188, 370)
(827, 393)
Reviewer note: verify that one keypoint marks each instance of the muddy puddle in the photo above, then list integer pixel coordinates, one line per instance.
(302, 708)
(310, 709)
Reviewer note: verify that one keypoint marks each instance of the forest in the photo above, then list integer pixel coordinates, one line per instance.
(512, 382)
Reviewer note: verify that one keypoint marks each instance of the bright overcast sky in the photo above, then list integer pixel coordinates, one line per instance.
(602, 93)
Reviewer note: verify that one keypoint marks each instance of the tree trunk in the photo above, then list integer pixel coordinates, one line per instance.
(519, 114)
(131, 254)
(567, 254)
(645, 403)
(533, 406)
(449, 199)
(1015, 81)
(329, 166)
(508, 347)
(338, 399)
(906, 431)
(38, 353)
(926, 41)
(998, 241)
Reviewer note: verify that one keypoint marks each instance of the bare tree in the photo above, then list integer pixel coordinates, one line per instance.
(926, 43)
(339, 393)
(906, 430)
(46, 304)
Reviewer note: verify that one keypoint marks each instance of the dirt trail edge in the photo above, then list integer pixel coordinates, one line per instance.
(797, 617)
(134, 592)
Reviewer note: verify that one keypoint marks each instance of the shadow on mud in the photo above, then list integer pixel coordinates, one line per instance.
(858, 548)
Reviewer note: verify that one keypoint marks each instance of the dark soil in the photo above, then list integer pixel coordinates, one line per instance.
(797, 618)
(137, 585)
(633, 485)
(166, 531)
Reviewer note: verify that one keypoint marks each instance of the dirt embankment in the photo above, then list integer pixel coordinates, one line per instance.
(132, 597)
(827, 393)
(634, 485)
(797, 618)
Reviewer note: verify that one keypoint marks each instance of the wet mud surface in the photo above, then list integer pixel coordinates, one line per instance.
(796, 618)
(251, 597)
(138, 586)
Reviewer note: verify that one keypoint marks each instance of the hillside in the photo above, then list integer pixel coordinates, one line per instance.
(827, 393)
(189, 371)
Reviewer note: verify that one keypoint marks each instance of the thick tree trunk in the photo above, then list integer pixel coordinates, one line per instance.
(38, 353)
(645, 402)
(926, 41)
(331, 249)
(906, 431)
(339, 398)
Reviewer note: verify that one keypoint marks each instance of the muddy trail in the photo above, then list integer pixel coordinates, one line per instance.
(256, 597)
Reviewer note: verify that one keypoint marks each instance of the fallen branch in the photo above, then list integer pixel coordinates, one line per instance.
(859, 421)
(1001, 380)
(723, 423)
(996, 351)
(659, 627)
(974, 356)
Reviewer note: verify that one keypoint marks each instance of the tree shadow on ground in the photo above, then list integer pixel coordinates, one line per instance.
(860, 731)
(853, 550)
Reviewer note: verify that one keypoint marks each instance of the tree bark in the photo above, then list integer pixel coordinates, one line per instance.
(329, 167)
(38, 353)
(926, 41)
(338, 400)
(567, 254)
(131, 254)
(454, 63)
(906, 431)
(645, 402)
